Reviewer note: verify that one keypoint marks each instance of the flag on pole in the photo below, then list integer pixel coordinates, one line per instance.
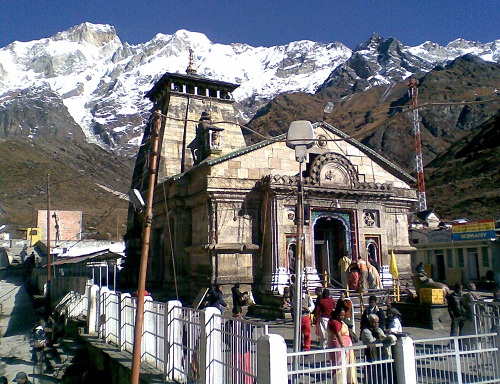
(393, 268)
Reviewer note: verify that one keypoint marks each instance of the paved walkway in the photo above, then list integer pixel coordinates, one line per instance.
(17, 321)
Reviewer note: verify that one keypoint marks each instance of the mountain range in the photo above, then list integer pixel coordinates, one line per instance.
(86, 86)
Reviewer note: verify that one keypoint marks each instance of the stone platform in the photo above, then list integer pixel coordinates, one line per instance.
(429, 316)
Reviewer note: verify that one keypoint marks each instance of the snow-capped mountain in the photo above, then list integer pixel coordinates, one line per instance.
(101, 82)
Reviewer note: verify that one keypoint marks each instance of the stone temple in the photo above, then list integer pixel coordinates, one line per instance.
(225, 211)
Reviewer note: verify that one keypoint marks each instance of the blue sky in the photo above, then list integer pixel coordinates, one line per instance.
(257, 22)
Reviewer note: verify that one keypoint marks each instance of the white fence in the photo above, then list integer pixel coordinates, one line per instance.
(460, 359)
(186, 344)
(202, 346)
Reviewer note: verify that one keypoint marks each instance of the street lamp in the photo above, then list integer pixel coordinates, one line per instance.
(300, 137)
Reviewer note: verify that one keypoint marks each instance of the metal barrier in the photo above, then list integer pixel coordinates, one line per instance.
(460, 359)
(127, 322)
(73, 305)
(341, 366)
(486, 316)
(239, 347)
(186, 335)
(153, 336)
(110, 319)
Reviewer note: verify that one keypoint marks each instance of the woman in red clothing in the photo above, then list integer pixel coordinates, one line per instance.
(339, 337)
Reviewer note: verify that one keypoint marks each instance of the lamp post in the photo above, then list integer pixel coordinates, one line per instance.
(300, 137)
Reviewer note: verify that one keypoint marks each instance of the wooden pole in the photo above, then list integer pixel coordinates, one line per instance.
(146, 234)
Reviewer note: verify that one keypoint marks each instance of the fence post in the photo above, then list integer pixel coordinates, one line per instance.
(213, 347)
(92, 311)
(203, 348)
(173, 341)
(496, 328)
(404, 361)
(104, 313)
(271, 360)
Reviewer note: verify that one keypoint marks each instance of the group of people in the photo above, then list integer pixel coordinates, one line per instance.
(240, 299)
(335, 329)
(21, 378)
(360, 274)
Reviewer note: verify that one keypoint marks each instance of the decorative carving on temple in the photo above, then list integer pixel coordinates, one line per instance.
(321, 141)
(370, 218)
(333, 170)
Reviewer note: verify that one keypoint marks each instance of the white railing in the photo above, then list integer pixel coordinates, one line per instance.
(486, 316)
(202, 346)
(459, 359)
(239, 347)
(340, 366)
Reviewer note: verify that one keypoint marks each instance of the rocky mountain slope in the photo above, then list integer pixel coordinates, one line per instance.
(83, 177)
(100, 81)
(60, 96)
(454, 99)
(465, 180)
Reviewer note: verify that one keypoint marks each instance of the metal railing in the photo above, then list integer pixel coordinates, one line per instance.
(186, 336)
(341, 366)
(460, 359)
(239, 347)
(486, 316)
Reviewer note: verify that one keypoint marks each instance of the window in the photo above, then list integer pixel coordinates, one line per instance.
(486, 257)
(449, 258)
(461, 260)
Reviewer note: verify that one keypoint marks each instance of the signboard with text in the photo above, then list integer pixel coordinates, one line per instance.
(474, 230)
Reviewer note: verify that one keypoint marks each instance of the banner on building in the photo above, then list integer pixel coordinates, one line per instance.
(474, 230)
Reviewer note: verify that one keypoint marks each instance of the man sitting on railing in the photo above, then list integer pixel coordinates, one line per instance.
(370, 336)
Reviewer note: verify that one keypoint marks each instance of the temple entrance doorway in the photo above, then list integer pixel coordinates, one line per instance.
(329, 246)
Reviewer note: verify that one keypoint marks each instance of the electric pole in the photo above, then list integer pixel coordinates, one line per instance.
(146, 234)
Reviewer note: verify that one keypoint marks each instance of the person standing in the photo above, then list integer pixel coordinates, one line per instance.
(237, 296)
(354, 277)
(38, 342)
(324, 311)
(344, 264)
(374, 281)
(373, 262)
(340, 336)
(307, 306)
(373, 309)
(456, 310)
(363, 273)
(216, 298)
(346, 303)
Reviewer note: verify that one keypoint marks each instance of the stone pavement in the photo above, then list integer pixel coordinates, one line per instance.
(17, 320)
